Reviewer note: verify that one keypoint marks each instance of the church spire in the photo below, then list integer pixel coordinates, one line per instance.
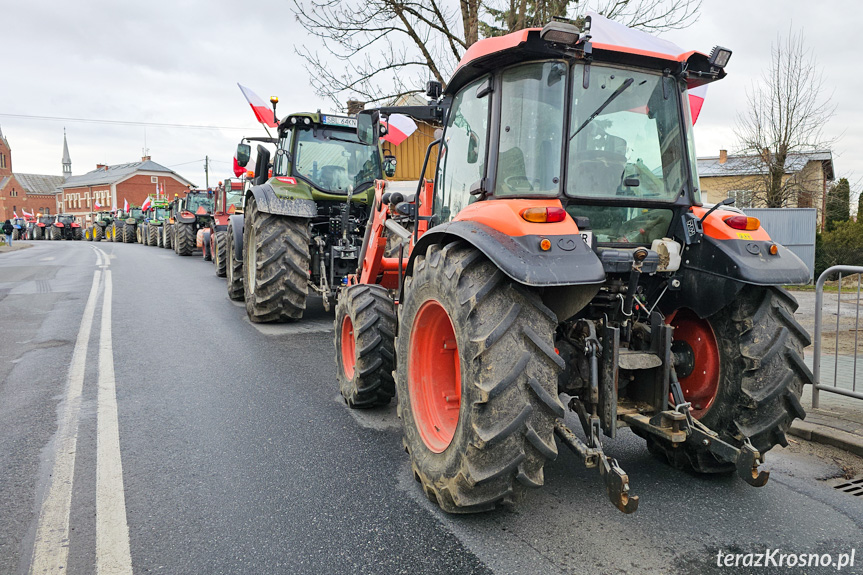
(67, 161)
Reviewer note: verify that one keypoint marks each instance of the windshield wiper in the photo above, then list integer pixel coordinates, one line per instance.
(626, 84)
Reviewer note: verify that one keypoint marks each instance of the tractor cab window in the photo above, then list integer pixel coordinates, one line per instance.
(135, 213)
(234, 198)
(531, 130)
(626, 138)
(462, 153)
(161, 213)
(66, 219)
(624, 225)
(334, 160)
(196, 201)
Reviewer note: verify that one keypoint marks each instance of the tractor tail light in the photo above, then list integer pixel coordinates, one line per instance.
(543, 215)
(742, 223)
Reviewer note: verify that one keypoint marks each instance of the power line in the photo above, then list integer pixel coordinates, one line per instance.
(121, 122)
(186, 163)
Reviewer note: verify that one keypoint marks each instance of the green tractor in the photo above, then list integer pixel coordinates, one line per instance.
(150, 231)
(302, 227)
(125, 225)
(189, 214)
(102, 226)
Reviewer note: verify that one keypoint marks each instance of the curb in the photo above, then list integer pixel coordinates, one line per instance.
(828, 436)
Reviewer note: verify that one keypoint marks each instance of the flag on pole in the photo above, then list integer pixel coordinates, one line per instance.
(263, 112)
(14, 214)
(97, 205)
(125, 205)
(696, 100)
(399, 128)
(26, 213)
(146, 205)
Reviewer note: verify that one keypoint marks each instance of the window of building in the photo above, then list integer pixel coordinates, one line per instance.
(13, 193)
(154, 179)
(2, 160)
(742, 198)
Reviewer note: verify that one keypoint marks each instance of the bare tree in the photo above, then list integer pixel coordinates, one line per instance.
(785, 116)
(377, 50)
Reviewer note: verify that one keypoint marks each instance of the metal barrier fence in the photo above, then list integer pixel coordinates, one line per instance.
(841, 362)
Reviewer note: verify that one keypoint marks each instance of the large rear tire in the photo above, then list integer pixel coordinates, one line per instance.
(219, 261)
(759, 379)
(129, 234)
(55, 233)
(151, 235)
(365, 330)
(77, 234)
(276, 265)
(167, 238)
(476, 380)
(15, 235)
(97, 233)
(233, 269)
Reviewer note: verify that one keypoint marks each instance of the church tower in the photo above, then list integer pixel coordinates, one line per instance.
(5, 156)
(67, 161)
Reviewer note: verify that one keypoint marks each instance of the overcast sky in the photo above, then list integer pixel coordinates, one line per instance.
(179, 61)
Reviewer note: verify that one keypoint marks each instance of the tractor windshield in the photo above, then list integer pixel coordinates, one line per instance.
(66, 219)
(160, 213)
(233, 198)
(199, 203)
(626, 138)
(135, 213)
(333, 160)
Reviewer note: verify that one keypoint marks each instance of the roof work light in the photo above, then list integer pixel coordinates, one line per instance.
(719, 56)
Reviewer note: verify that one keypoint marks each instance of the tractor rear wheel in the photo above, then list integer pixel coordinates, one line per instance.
(115, 231)
(476, 380)
(129, 234)
(97, 233)
(38, 233)
(219, 260)
(55, 233)
(77, 233)
(233, 268)
(747, 378)
(151, 235)
(15, 235)
(167, 238)
(185, 238)
(276, 265)
(365, 330)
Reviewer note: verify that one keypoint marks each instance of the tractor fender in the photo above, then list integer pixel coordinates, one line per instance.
(191, 219)
(270, 203)
(715, 270)
(236, 222)
(569, 261)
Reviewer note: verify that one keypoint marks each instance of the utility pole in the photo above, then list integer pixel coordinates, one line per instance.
(207, 171)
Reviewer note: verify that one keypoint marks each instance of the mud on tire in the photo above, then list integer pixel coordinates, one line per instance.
(761, 377)
(276, 265)
(508, 378)
(364, 340)
(233, 268)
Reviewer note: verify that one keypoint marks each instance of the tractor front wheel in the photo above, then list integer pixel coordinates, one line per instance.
(746, 376)
(476, 380)
(276, 265)
(219, 259)
(365, 330)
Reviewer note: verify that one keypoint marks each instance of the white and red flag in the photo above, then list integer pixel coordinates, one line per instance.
(125, 205)
(146, 205)
(97, 205)
(263, 112)
(26, 213)
(14, 214)
(696, 100)
(399, 128)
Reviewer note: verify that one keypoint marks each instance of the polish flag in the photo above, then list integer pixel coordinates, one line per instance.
(238, 170)
(125, 205)
(26, 213)
(263, 112)
(696, 100)
(399, 127)
(14, 214)
(146, 205)
(97, 205)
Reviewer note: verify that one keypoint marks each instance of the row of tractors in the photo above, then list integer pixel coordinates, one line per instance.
(47, 227)
(560, 260)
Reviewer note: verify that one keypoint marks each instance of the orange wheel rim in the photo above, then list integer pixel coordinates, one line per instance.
(702, 384)
(434, 376)
(349, 348)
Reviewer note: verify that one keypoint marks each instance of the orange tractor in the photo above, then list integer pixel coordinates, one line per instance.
(562, 260)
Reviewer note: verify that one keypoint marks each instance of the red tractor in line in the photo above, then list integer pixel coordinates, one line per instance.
(562, 260)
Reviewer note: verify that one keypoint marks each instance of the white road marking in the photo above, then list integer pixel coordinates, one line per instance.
(50, 549)
(112, 530)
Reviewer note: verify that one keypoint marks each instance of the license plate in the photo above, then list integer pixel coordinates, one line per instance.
(588, 238)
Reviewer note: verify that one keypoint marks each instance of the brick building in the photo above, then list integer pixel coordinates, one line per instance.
(111, 185)
(31, 192)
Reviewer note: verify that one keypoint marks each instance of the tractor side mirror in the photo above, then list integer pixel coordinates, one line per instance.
(390, 166)
(473, 148)
(368, 127)
(244, 152)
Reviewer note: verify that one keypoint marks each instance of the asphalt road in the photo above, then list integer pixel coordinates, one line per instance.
(233, 453)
